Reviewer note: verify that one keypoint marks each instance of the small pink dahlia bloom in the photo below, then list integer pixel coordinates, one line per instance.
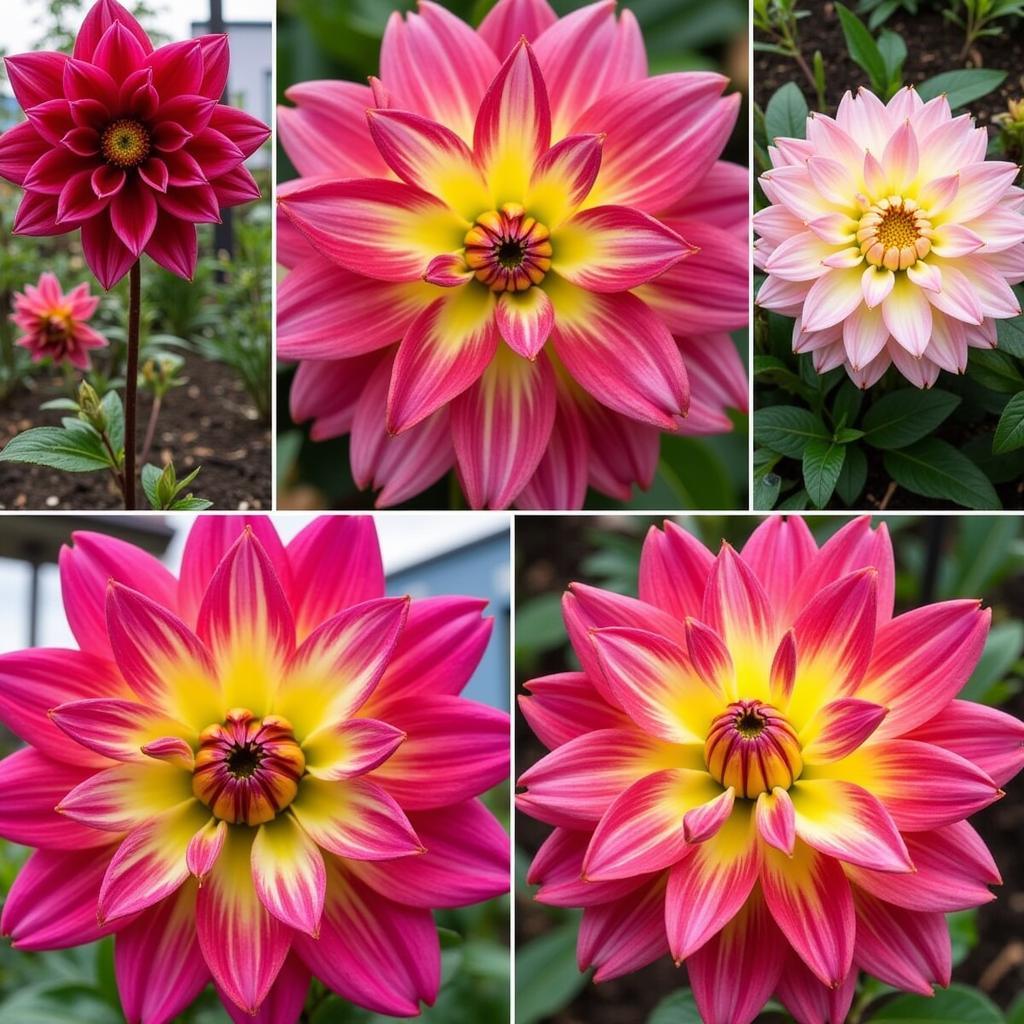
(763, 772)
(516, 254)
(890, 238)
(128, 143)
(55, 324)
(257, 772)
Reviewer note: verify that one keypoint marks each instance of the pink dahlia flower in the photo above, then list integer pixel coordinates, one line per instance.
(128, 143)
(257, 772)
(890, 238)
(55, 324)
(763, 772)
(514, 253)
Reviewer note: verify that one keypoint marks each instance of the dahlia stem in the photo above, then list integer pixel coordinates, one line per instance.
(131, 384)
(147, 443)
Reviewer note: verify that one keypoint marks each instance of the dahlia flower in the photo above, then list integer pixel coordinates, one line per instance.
(257, 772)
(128, 143)
(514, 253)
(890, 238)
(55, 324)
(764, 772)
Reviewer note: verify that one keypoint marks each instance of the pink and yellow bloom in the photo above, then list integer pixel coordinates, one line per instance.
(128, 143)
(764, 772)
(514, 253)
(256, 772)
(890, 238)
(54, 324)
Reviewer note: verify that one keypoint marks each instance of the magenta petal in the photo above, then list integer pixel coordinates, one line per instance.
(178, 68)
(36, 77)
(245, 131)
(78, 200)
(510, 20)
(674, 568)
(195, 205)
(625, 934)
(37, 216)
(83, 81)
(20, 147)
(284, 1002)
(174, 246)
(563, 706)
(118, 52)
(108, 257)
(102, 15)
(214, 152)
(236, 187)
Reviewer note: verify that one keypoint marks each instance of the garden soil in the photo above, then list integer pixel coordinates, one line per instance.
(209, 422)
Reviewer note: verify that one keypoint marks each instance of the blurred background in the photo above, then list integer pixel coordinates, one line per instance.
(206, 349)
(937, 558)
(467, 553)
(340, 39)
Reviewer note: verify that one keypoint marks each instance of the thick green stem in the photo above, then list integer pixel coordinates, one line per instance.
(131, 384)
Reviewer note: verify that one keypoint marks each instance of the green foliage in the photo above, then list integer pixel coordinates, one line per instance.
(786, 114)
(956, 1005)
(977, 18)
(880, 11)
(547, 977)
(677, 1008)
(163, 489)
(963, 86)
(883, 63)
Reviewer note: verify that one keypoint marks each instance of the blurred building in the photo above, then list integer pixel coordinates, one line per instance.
(250, 82)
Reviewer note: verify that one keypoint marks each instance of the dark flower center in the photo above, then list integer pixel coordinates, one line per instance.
(125, 143)
(508, 250)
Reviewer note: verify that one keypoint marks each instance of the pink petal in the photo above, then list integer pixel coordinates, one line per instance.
(20, 147)
(776, 820)
(114, 728)
(52, 901)
(449, 270)
(285, 1000)
(501, 426)
(808, 1000)
(215, 65)
(563, 177)
(674, 569)
(664, 135)
(107, 256)
(236, 187)
(327, 392)
(245, 131)
(749, 945)
(445, 351)
(561, 707)
(102, 15)
(832, 298)
(177, 68)
(509, 20)
(467, 860)
(119, 52)
(910, 950)
(707, 889)
(735, 604)
(34, 681)
(778, 552)
(624, 935)
(907, 313)
(560, 480)
(720, 200)
(525, 320)
(459, 745)
(36, 77)
(922, 659)
(351, 748)
(288, 873)
(988, 737)
(174, 246)
(164, 935)
(205, 847)
(810, 900)
(621, 353)
(839, 728)
(380, 955)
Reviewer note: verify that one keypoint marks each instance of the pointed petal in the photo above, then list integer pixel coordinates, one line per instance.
(509, 20)
(351, 748)
(624, 935)
(839, 728)
(776, 820)
(674, 568)
(778, 551)
(701, 823)
(116, 728)
(563, 177)
(205, 846)
(563, 706)
(288, 873)
(285, 1000)
(525, 320)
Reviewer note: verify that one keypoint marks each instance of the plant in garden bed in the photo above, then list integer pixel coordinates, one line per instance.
(977, 18)
(130, 145)
(763, 771)
(265, 772)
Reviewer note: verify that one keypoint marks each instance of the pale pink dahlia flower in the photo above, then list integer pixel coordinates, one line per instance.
(890, 238)
(515, 253)
(255, 772)
(128, 143)
(54, 324)
(765, 774)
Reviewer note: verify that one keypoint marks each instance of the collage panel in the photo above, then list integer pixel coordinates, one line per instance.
(135, 256)
(256, 769)
(515, 266)
(746, 756)
(888, 142)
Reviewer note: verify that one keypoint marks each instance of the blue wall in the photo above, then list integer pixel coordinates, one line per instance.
(479, 569)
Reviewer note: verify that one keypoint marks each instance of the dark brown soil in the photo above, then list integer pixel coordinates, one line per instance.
(549, 552)
(210, 422)
(933, 46)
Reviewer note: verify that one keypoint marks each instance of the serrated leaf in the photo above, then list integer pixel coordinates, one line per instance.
(822, 464)
(963, 86)
(787, 429)
(74, 451)
(786, 114)
(1010, 429)
(935, 469)
(853, 477)
(903, 417)
(956, 1005)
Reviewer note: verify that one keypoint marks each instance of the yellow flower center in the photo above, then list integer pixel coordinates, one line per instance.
(125, 143)
(752, 748)
(508, 250)
(248, 769)
(894, 233)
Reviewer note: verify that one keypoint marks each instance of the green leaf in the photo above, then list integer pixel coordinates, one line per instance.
(963, 933)
(61, 403)
(150, 481)
(191, 505)
(853, 476)
(787, 429)
(796, 502)
(74, 451)
(546, 974)
(1010, 334)
(894, 52)
(846, 404)
(115, 419)
(766, 491)
(539, 623)
(995, 370)
(677, 1008)
(956, 1005)
(903, 417)
(786, 114)
(1015, 1014)
(822, 464)
(1002, 649)
(846, 435)
(962, 87)
(863, 49)
(936, 469)
(1010, 431)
